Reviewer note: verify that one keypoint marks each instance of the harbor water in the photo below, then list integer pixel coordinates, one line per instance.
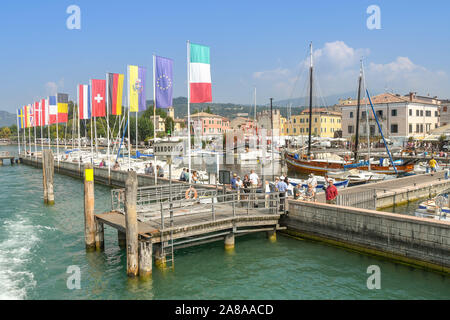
(38, 244)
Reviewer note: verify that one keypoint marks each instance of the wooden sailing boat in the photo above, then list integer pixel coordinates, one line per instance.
(310, 163)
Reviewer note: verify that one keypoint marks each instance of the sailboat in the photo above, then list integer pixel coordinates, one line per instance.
(323, 164)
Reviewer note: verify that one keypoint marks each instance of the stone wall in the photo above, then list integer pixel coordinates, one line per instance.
(408, 239)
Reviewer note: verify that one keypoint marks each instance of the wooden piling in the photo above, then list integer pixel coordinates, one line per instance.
(145, 259)
(131, 185)
(99, 236)
(47, 176)
(122, 239)
(89, 204)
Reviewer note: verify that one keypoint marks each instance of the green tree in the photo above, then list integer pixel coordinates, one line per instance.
(169, 124)
(5, 132)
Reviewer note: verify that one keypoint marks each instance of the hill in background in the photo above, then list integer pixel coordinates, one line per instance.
(232, 110)
(7, 119)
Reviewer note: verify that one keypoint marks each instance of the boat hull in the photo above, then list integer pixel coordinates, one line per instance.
(323, 167)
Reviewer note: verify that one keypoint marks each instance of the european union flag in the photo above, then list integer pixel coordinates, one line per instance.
(163, 82)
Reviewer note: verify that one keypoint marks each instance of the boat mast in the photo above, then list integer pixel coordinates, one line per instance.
(357, 116)
(367, 113)
(310, 99)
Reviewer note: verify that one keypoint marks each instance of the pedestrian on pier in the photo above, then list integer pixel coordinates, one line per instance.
(331, 191)
(183, 175)
(160, 171)
(116, 166)
(150, 170)
(233, 182)
(267, 192)
(282, 187)
(433, 164)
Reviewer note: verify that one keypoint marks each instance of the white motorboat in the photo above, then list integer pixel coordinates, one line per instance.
(357, 176)
(435, 208)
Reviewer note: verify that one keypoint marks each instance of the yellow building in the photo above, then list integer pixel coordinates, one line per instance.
(324, 123)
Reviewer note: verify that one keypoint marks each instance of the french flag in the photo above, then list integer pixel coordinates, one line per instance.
(84, 101)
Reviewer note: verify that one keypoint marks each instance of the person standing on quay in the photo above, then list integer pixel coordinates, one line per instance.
(282, 187)
(331, 191)
(432, 164)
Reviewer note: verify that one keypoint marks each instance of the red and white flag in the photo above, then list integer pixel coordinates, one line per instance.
(43, 120)
(98, 98)
(84, 101)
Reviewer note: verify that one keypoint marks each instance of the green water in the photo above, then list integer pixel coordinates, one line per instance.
(38, 244)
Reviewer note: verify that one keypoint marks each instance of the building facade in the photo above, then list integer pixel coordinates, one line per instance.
(325, 123)
(263, 121)
(444, 112)
(209, 124)
(399, 116)
(241, 124)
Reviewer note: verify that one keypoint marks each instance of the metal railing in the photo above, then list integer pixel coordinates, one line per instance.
(149, 197)
(160, 203)
(365, 199)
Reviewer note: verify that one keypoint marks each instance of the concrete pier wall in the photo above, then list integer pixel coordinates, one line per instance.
(411, 193)
(416, 241)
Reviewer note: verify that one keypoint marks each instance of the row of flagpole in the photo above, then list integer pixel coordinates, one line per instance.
(138, 88)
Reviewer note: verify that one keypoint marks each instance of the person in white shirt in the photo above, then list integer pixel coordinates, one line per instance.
(312, 180)
(267, 192)
(254, 179)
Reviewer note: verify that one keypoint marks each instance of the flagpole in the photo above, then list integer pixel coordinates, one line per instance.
(35, 143)
(96, 142)
(154, 116)
(189, 106)
(128, 98)
(79, 138)
(42, 129)
(48, 124)
(92, 145)
(24, 133)
(18, 132)
(137, 132)
(57, 131)
(29, 140)
(107, 124)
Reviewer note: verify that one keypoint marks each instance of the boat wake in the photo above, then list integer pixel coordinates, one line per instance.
(18, 239)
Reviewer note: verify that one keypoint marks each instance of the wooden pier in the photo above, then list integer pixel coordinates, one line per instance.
(5, 155)
(158, 219)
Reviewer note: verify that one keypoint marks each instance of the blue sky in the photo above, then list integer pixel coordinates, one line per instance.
(259, 44)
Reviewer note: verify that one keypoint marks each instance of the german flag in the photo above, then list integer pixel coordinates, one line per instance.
(62, 101)
(114, 91)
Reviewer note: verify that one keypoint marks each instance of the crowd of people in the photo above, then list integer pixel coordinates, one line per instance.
(284, 187)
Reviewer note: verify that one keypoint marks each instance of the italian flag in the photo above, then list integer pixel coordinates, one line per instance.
(199, 74)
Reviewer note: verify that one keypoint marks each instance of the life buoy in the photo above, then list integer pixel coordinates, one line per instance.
(347, 158)
(188, 191)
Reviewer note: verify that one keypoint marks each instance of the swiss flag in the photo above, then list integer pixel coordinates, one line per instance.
(98, 96)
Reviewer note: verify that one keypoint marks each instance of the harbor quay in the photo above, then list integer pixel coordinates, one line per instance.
(393, 192)
(418, 242)
(167, 220)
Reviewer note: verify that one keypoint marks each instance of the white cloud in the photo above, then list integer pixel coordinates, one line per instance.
(277, 73)
(337, 69)
(52, 87)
